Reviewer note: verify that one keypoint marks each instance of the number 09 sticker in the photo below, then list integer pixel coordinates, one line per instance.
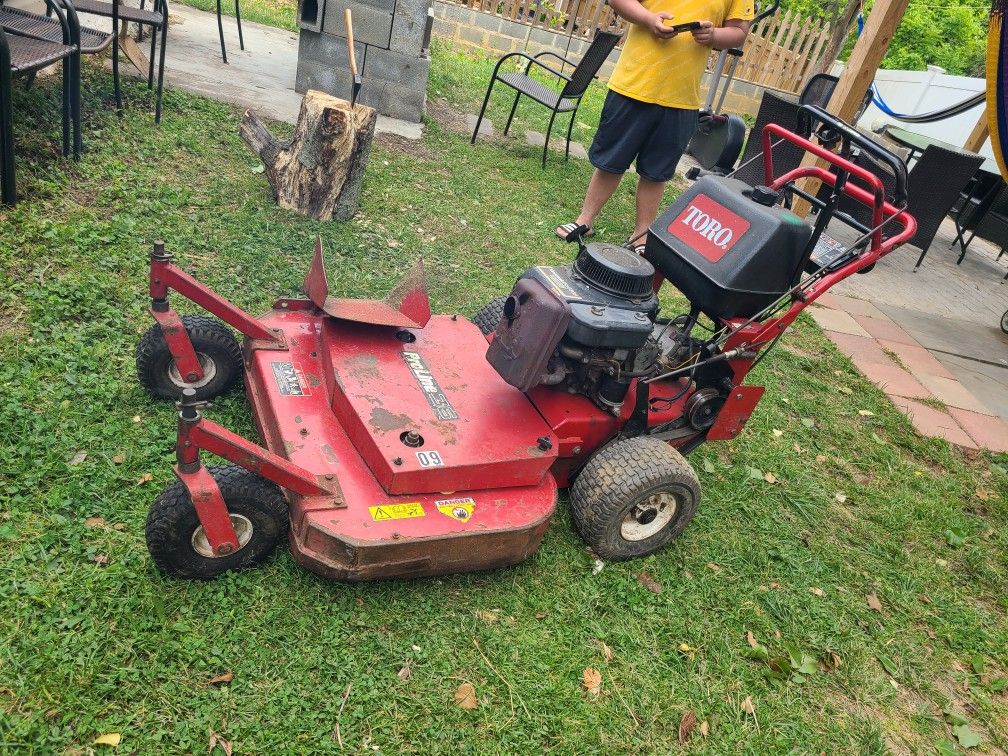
(429, 459)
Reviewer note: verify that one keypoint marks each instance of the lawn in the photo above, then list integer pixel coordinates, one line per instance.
(841, 589)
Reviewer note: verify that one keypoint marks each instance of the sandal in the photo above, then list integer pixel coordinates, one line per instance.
(635, 248)
(569, 232)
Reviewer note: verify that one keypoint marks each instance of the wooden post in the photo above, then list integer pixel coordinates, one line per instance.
(871, 47)
(979, 134)
(318, 171)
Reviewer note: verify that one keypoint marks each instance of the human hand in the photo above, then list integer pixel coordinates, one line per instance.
(658, 27)
(705, 34)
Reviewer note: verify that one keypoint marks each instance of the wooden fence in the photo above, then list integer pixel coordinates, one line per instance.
(781, 52)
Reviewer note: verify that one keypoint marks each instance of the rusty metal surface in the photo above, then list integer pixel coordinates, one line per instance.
(210, 508)
(179, 344)
(406, 306)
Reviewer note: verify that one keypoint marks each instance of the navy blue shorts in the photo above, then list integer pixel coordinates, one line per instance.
(652, 134)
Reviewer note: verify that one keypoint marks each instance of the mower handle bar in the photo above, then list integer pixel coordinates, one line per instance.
(810, 115)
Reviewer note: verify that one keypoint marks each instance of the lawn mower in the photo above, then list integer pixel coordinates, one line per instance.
(399, 444)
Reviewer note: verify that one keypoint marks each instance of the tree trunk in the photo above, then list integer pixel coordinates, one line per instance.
(318, 171)
(842, 25)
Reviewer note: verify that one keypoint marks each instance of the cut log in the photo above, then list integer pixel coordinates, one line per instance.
(318, 171)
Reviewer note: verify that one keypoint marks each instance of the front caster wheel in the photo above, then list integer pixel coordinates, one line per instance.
(633, 497)
(176, 540)
(216, 347)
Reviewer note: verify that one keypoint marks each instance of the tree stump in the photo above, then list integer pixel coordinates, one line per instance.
(318, 171)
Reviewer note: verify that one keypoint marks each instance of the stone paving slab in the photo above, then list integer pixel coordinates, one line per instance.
(934, 423)
(892, 379)
(989, 432)
(838, 320)
(486, 125)
(916, 358)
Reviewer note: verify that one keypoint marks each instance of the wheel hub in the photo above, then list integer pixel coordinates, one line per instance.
(243, 529)
(209, 372)
(649, 517)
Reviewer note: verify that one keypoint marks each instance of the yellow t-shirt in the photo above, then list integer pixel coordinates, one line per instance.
(668, 71)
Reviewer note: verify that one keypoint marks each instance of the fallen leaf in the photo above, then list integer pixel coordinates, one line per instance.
(751, 639)
(488, 616)
(923, 598)
(777, 433)
(713, 566)
(136, 418)
(817, 591)
(708, 467)
(111, 739)
(748, 706)
(119, 526)
(982, 494)
(392, 243)
(946, 748)
(405, 673)
(649, 582)
(866, 413)
(966, 737)
(873, 601)
(119, 458)
(955, 537)
(820, 458)
(101, 560)
(977, 662)
(591, 679)
(798, 449)
(887, 664)
(597, 566)
(540, 615)
(686, 725)
(704, 728)
(755, 473)
(808, 422)
(77, 458)
(145, 478)
(830, 660)
(845, 390)
(221, 679)
(607, 652)
(841, 496)
(95, 522)
(465, 696)
(770, 478)
(416, 648)
(217, 740)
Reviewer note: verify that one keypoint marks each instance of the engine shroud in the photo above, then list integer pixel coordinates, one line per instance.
(603, 302)
(729, 254)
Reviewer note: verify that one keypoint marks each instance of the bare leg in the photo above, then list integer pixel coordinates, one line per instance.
(600, 189)
(649, 197)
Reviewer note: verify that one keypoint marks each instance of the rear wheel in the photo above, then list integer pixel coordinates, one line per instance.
(633, 497)
(178, 545)
(216, 347)
(490, 315)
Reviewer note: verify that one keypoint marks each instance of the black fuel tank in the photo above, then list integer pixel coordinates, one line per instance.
(729, 254)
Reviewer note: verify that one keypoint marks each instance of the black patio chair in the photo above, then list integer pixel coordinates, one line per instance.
(21, 55)
(564, 101)
(156, 19)
(45, 27)
(220, 28)
(777, 109)
(933, 187)
(992, 225)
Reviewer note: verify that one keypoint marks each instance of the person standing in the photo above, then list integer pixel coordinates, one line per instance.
(650, 111)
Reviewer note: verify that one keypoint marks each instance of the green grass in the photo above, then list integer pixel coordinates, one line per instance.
(93, 640)
(279, 13)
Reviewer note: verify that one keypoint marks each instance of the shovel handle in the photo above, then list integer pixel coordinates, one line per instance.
(348, 18)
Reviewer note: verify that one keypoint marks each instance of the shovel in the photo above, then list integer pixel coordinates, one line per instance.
(353, 58)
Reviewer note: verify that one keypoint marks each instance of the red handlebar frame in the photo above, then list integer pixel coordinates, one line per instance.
(875, 199)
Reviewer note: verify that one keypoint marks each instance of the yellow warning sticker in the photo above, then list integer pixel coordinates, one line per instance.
(397, 511)
(458, 509)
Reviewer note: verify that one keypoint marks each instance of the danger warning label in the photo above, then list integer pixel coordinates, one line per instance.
(397, 511)
(457, 509)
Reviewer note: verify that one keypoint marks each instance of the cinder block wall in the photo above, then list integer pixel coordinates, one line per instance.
(497, 36)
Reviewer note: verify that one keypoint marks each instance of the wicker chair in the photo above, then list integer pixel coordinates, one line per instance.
(933, 187)
(27, 24)
(564, 101)
(786, 155)
(992, 225)
(21, 55)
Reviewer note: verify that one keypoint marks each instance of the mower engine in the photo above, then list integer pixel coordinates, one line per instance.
(592, 327)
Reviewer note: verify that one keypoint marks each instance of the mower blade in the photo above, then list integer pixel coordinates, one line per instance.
(406, 306)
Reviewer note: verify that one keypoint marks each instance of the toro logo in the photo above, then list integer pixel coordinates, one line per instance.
(710, 228)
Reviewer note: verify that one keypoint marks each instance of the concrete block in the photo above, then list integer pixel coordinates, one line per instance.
(408, 26)
(488, 22)
(310, 14)
(329, 50)
(395, 84)
(372, 26)
(472, 36)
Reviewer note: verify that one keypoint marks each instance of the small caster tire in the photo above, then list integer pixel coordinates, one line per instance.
(1004, 322)
(178, 545)
(633, 497)
(219, 354)
(487, 318)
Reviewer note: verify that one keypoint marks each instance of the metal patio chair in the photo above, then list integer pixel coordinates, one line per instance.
(156, 19)
(220, 28)
(564, 101)
(45, 27)
(21, 55)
